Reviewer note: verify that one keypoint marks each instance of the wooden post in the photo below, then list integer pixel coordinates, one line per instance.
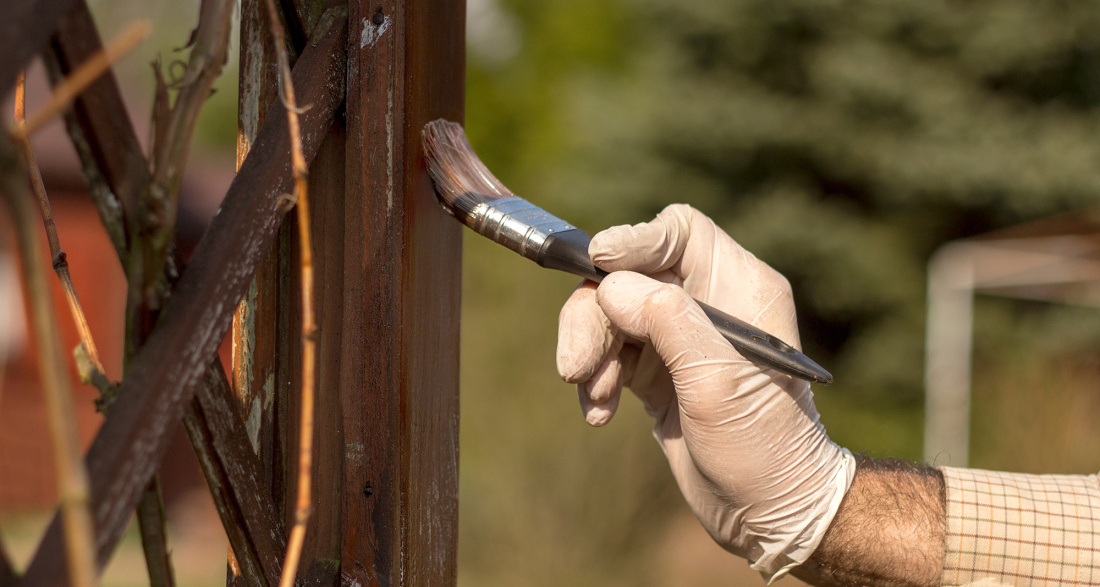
(387, 294)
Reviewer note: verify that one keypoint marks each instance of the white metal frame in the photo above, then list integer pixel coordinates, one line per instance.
(1054, 268)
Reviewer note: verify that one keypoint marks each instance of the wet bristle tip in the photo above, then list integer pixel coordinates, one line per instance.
(461, 180)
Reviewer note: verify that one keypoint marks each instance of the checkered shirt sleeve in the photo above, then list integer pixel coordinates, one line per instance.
(1017, 529)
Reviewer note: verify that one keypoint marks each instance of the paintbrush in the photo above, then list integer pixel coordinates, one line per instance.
(472, 194)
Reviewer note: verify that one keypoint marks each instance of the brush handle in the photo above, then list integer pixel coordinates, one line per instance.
(568, 251)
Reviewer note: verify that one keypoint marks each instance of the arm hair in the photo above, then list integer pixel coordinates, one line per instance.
(888, 532)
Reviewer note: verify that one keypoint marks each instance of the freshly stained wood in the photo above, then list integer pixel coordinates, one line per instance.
(170, 366)
(399, 381)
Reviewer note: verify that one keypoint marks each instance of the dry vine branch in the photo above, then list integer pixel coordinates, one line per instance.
(95, 374)
(309, 325)
(72, 477)
(150, 512)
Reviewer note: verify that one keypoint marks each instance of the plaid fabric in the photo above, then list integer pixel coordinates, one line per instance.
(1016, 529)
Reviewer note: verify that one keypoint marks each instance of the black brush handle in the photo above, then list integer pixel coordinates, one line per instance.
(568, 251)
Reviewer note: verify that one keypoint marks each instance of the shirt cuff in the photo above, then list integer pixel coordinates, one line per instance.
(1019, 529)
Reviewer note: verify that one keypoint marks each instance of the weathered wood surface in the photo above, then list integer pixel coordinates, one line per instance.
(254, 353)
(387, 294)
(399, 384)
(168, 369)
(235, 479)
(25, 26)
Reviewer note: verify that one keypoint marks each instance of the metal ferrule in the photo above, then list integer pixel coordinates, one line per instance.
(516, 224)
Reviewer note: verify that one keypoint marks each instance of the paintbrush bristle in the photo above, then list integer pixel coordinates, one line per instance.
(462, 181)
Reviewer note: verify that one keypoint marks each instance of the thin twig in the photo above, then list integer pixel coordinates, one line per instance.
(152, 522)
(72, 477)
(60, 261)
(87, 73)
(309, 326)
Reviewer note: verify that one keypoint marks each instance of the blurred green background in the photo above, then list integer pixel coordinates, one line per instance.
(842, 142)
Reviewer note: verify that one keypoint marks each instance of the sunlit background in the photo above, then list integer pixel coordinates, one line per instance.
(842, 142)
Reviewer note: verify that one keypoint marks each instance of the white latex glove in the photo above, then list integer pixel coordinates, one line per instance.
(743, 441)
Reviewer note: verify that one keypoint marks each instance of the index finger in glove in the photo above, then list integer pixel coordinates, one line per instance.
(713, 267)
(664, 316)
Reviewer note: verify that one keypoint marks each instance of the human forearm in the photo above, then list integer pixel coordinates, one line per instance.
(888, 532)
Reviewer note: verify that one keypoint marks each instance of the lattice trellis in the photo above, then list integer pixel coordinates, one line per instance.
(385, 480)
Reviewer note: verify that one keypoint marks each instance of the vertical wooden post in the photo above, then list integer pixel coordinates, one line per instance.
(387, 294)
(406, 67)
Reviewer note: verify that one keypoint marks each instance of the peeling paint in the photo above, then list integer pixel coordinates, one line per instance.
(252, 424)
(269, 391)
(244, 342)
(355, 451)
(250, 95)
(372, 32)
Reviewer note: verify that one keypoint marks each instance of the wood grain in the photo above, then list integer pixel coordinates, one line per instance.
(235, 479)
(167, 370)
(401, 313)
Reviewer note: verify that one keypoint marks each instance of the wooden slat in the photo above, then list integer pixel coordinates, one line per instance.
(25, 27)
(323, 540)
(167, 369)
(254, 355)
(401, 309)
(104, 135)
(235, 479)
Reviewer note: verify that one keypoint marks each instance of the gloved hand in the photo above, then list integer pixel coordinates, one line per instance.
(743, 442)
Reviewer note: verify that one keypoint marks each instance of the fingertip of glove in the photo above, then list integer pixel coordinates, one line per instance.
(571, 368)
(596, 415)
